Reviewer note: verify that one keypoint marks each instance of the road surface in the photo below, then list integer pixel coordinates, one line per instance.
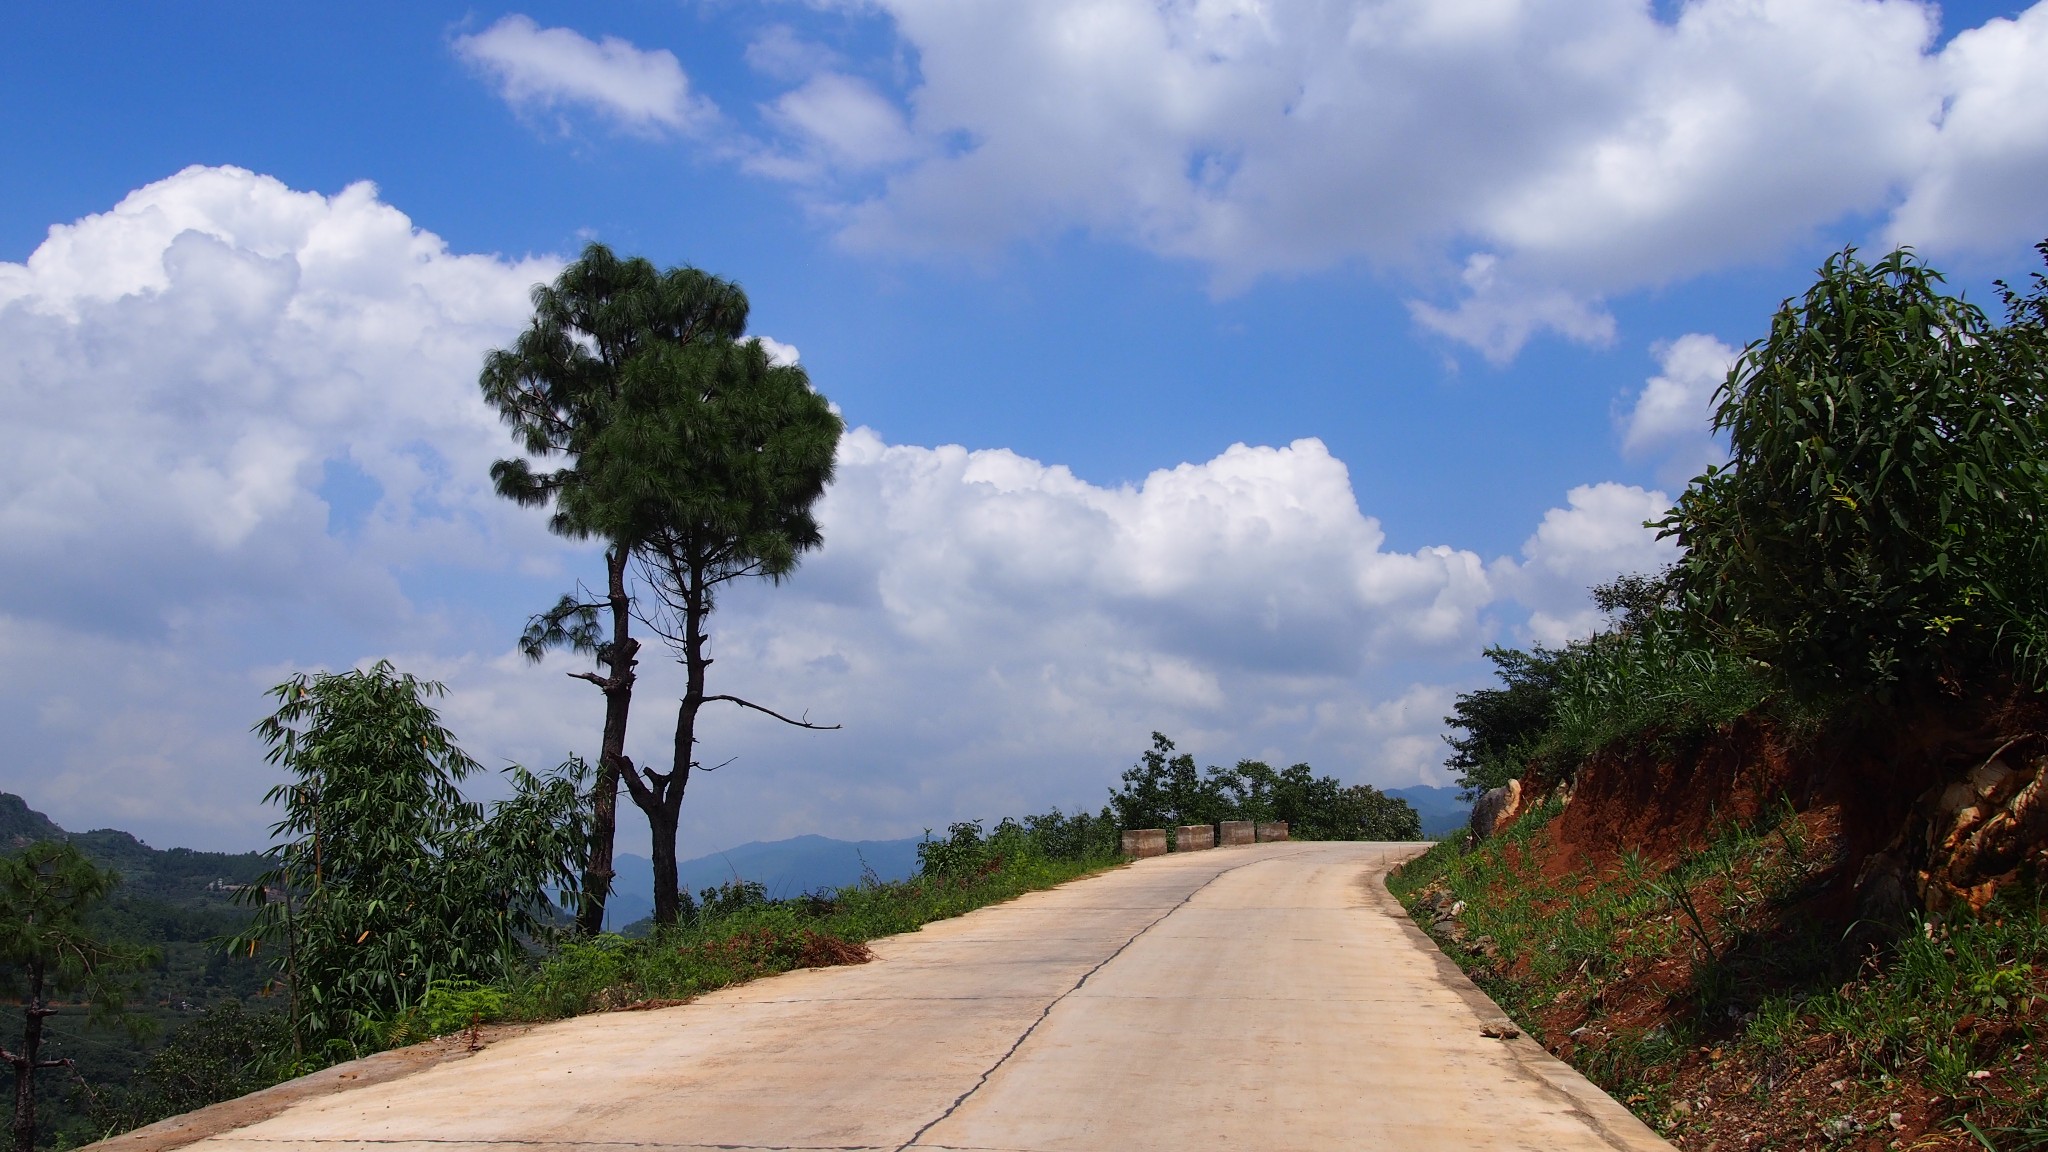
(1270, 997)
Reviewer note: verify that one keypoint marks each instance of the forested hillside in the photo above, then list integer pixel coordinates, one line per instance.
(177, 902)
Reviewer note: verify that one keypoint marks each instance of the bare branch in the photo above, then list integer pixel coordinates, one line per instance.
(774, 713)
(593, 677)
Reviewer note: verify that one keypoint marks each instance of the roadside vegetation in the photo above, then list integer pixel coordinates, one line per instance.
(1775, 874)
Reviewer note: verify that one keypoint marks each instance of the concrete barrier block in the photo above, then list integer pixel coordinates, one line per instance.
(1271, 832)
(1194, 838)
(1236, 832)
(1143, 842)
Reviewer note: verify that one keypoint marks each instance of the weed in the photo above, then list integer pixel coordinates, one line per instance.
(1948, 1006)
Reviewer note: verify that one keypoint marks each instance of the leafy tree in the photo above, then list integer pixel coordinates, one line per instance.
(1370, 814)
(558, 388)
(1164, 790)
(227, 1052)
(1882, 513)
(1047, 836)
(388, 879)
(47, 951)
(1503, 725)
(1635, 601)
(1317, 807)
(718, 456)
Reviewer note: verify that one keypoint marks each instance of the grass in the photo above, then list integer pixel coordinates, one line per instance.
(1658, 686)
(735, 933)
(755, 938)
(1707, 981)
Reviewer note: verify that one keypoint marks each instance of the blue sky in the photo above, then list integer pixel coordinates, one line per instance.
(1451, 243)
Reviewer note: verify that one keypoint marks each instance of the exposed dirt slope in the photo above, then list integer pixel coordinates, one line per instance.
(1769, 940)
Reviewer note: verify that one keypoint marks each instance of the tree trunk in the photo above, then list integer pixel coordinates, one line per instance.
(665, 819)
(662, 822)
(618, 701)
(660, 796)
(25, 1064)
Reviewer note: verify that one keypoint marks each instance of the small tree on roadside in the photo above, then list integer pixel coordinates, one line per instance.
(558, 386)
(722, 456)
(1501, 726)
(388, 879)
(46, 951)
(1164, 789)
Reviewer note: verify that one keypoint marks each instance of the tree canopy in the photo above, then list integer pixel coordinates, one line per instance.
(560, 387)
(723, 454)
(1165, 790)
(47, 950)
(1883, 509)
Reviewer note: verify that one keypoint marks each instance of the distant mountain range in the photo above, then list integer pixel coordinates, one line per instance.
(1441, 810)
(175, 900)
(179, 875)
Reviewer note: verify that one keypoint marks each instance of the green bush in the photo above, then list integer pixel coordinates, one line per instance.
(1501, 726)
(1884, 508)
(391, 879)
(227, 1052)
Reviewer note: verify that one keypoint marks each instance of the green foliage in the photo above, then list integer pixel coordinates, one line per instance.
(47, 951)
(558, 386)
(448, 1006)
(1316, 807)
(1647, 676)
(1050, 836)
(1502, 725)
(1164, 790)
(390, 880)
(561, 387)
(720, 455)
(47, 891)
(1659, 681)
(1882, 514)
(227, 1052)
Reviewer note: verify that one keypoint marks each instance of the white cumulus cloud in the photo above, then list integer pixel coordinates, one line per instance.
(184, 376)
(1581, 148)
(1597, 536)
(1980, 186)
(536, 67)
(248, 441)
(1672, 419)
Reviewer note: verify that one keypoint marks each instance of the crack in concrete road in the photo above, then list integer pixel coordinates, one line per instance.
(1056, 1001)
(1292, 1006)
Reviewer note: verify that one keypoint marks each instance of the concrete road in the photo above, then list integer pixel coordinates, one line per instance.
(1272, 998)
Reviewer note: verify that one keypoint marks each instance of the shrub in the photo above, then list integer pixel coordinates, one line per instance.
(1661, 681)
(1503, 725)
(391, 879)
(1882, 513)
